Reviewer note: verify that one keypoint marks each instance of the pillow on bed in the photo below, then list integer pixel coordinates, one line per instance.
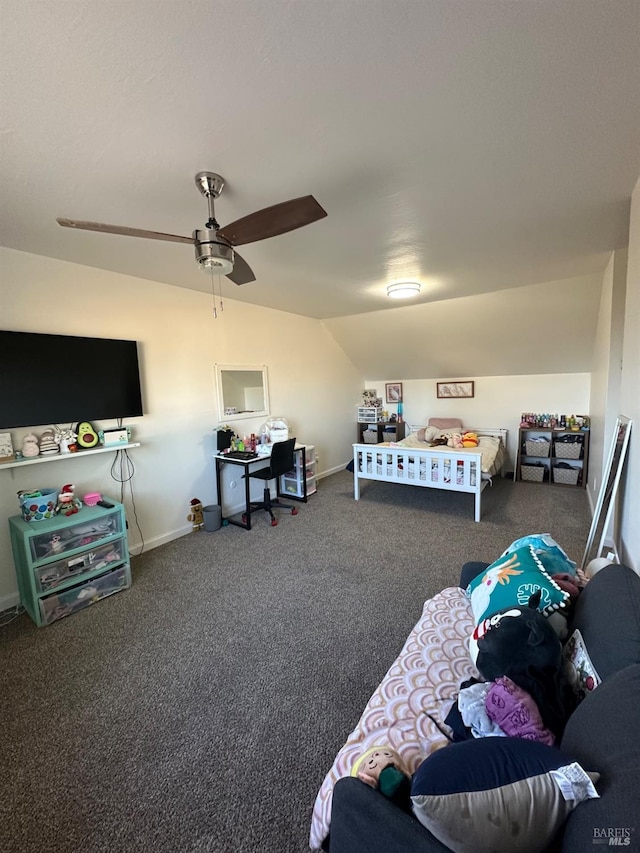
(510, 582)
(496, 794)
(449, 424)
(427, 433)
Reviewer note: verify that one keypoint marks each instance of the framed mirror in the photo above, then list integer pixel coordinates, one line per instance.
(243, 391)
(611, 474)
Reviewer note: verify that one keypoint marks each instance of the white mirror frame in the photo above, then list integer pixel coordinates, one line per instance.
(611, 474)
(223, 405)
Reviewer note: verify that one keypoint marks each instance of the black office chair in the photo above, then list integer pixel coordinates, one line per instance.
(282, 462)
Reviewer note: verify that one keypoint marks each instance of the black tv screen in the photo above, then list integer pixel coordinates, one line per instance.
(58, 379)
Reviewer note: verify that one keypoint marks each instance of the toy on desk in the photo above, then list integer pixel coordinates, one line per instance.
(67, 504)
(49, 444)
(91, 498)
(30, 446)
(195, 516)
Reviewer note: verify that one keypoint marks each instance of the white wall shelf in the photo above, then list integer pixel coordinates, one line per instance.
(57, 457)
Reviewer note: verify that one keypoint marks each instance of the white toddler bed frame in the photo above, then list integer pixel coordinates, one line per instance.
(431, 468)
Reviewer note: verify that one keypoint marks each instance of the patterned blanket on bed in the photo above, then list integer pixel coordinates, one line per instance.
(423, 680)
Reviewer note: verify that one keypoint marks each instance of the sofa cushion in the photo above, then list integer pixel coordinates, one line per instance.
(607, 613)
(498, 794)
(363, 819)
(603, 733)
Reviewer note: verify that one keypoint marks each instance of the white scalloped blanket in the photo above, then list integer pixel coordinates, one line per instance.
(425, 677)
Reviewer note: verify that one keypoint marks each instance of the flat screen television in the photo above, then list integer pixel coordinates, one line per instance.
(59, 379)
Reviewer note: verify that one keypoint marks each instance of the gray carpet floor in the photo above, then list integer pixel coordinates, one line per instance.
(200, 709)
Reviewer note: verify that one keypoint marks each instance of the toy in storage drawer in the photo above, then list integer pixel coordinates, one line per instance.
(52, 575)
(76, 536)
(76, 598)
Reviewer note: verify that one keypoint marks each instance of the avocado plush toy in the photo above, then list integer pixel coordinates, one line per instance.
(87, 436)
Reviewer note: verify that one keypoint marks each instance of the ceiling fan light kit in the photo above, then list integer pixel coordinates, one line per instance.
(403, 289)
(214, 245)
(211, 254)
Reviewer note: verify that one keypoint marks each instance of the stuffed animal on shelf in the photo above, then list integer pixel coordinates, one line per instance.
(382, 768)
(87, 436)
(195, 516)
(66, 438)
(67, 504)
(469, 439)
(30, 446)
(49, 444)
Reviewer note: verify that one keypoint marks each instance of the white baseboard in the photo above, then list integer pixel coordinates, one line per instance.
(150, 544)
(331, 471)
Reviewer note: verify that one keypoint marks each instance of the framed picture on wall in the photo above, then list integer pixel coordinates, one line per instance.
(446, 390)
(393, 392)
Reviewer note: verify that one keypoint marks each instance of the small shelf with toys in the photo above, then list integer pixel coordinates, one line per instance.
(65, 563)
(58, 457)
(553, 449)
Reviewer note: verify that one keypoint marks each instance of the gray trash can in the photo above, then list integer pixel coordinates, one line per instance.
(212, 515)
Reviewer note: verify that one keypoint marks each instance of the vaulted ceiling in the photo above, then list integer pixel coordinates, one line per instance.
(475, 147)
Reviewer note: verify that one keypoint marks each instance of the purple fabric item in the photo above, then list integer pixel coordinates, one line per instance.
(515, 712)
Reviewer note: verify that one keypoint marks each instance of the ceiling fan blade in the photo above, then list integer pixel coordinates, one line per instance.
(122, 229)
(242, 272)
(274, 220)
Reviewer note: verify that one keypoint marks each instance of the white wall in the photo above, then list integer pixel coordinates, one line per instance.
(499, 401)
(630, 393)
(312, 383)
(607, 368)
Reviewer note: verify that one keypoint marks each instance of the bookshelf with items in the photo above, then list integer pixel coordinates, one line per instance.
(553, 450)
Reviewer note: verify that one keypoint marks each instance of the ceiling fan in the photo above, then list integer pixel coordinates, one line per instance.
(214, 245)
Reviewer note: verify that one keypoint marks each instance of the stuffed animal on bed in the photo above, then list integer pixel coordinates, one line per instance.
(382, 768)
(454, 440)
(469, 439)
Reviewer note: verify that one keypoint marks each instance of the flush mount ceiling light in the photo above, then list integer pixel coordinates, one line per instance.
(403, 289)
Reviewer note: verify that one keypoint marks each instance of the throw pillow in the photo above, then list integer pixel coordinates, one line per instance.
(554, 559)
(510, 582)
(578, 669)
(497, 795)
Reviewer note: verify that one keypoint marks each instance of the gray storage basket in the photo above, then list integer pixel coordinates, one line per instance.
(532, 473)
(537, 448)
(566, 450)
(566, 476)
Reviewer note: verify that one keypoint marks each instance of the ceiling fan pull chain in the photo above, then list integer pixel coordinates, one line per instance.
(213, 294)
(220, 293)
